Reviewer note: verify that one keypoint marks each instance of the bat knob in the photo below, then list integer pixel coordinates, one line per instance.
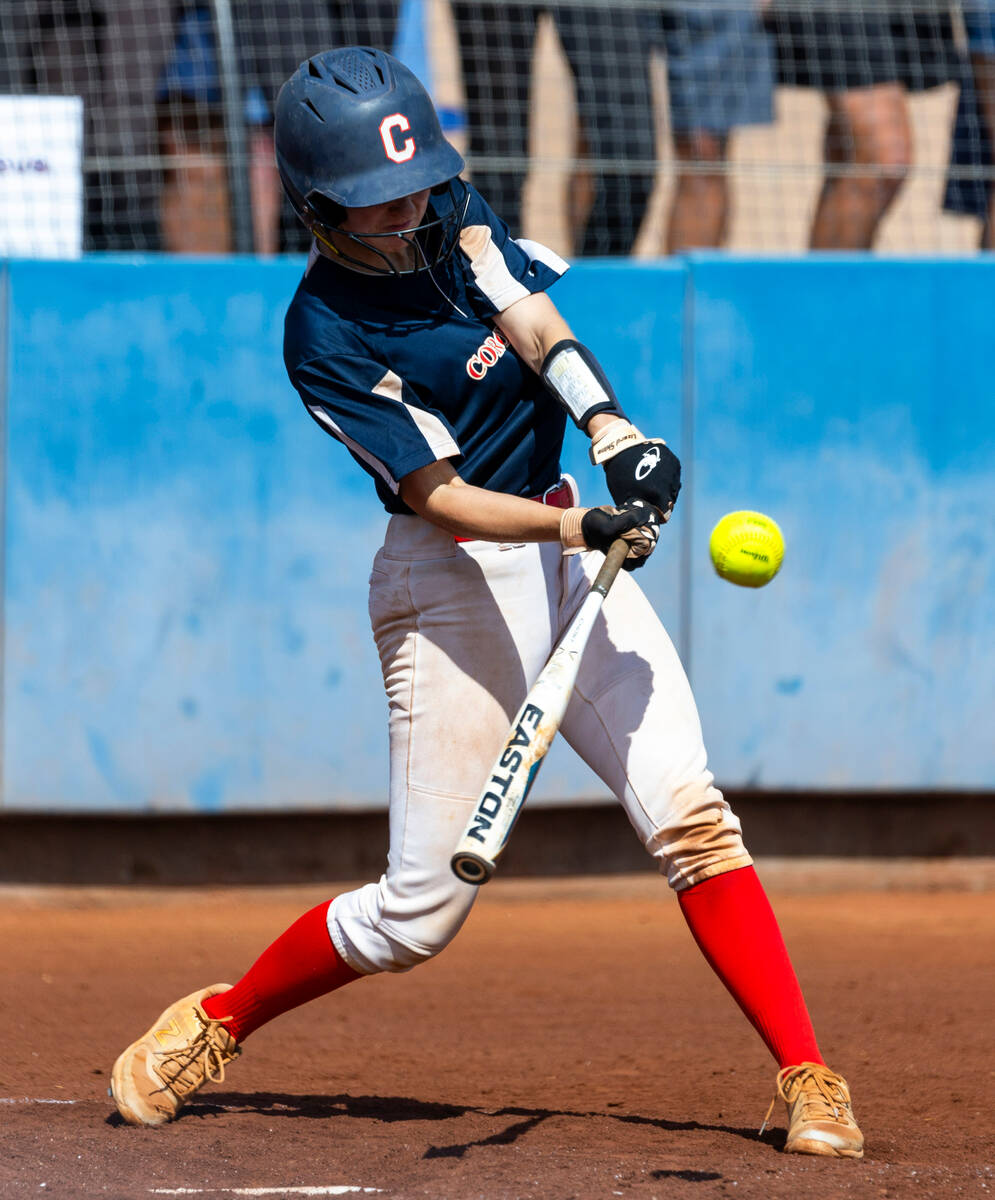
(471, 868)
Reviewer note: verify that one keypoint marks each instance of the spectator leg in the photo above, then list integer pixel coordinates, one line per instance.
(608, 52)
(700, 212)
(267, 191)
(581, 192)
(984, 77)
(495, 43)
(867, 127)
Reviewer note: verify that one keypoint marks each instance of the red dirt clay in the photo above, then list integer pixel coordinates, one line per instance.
(570, 1043)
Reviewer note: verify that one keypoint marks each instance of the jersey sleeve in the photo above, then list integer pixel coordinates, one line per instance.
(375, 414)
(502, 269)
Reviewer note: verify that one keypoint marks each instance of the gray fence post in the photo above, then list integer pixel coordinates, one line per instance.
(229, 70)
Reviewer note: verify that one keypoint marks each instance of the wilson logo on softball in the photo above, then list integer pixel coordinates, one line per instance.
(486, 356)
(649, 460)
(396, 152)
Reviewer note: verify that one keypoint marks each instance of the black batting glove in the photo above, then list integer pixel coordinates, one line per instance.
(637, 523)
(648, 471)
(638, 468)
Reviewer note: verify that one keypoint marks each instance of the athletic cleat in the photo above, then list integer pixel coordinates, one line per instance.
(820, 1118)
(183, 1050)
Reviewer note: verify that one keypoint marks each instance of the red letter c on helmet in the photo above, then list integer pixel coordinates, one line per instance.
(397, 153)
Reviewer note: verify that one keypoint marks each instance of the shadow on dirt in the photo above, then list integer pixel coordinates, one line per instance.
(402, 1108)
(688, 1176)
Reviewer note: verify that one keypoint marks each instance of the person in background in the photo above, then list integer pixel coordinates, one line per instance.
(865, 63)
(196, 202)
(720, 75)
(606, 53)
(195, 199)
(971, 180)
(273, 42)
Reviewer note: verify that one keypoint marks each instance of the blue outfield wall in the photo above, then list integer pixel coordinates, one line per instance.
(853, 400)
(186, 554)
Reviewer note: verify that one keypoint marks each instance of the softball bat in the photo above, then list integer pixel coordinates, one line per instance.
(532, 732)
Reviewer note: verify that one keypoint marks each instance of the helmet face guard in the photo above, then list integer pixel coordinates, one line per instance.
(354, 128)
(431, 242)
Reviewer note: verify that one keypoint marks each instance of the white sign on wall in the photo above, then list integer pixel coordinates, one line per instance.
(41, 176)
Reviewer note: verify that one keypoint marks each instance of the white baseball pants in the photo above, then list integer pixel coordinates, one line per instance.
(463, 629)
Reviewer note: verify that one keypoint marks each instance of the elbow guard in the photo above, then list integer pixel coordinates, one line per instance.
(573, 375)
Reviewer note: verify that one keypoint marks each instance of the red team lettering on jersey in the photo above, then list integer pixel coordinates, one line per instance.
(396, 153)
(486, 356)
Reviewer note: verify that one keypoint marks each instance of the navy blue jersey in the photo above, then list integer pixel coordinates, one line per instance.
(407, 370)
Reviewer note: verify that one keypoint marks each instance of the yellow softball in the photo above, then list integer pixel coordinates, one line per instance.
(747, 548)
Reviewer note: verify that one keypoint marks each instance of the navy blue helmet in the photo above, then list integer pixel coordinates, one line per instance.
(355, 127)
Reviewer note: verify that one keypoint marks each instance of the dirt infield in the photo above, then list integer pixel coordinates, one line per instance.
(571, 1043)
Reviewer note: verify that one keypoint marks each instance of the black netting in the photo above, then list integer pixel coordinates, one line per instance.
(635, 127)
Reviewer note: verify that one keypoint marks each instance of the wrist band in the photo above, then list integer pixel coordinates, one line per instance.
(571, 537)
(614, 438)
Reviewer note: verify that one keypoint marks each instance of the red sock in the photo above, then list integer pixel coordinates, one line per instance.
(299, 966)
(736, 930)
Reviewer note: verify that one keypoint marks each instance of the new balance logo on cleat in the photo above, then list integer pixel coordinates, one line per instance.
(162, 1036)
(183, 1050)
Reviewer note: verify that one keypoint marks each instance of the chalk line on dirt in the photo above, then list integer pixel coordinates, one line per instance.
(332, 1189)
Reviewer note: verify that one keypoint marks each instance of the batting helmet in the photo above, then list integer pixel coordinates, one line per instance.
(355, 127)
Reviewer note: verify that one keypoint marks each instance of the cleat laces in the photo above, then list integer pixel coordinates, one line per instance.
(824, 1095)
(201, 1060)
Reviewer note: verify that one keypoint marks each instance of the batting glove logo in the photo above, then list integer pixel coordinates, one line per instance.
(649, 462)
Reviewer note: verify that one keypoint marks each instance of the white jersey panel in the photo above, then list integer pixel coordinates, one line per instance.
(438, 438)
(323, 418)
(490, 269)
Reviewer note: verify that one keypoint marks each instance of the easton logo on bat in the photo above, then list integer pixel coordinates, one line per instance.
(510, 762)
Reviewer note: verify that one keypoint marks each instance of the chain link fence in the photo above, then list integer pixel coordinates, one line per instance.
(633, 128)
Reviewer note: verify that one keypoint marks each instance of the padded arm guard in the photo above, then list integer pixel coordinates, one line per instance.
(574, 376)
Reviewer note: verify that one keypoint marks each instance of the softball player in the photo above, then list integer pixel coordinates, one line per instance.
(422, 339)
